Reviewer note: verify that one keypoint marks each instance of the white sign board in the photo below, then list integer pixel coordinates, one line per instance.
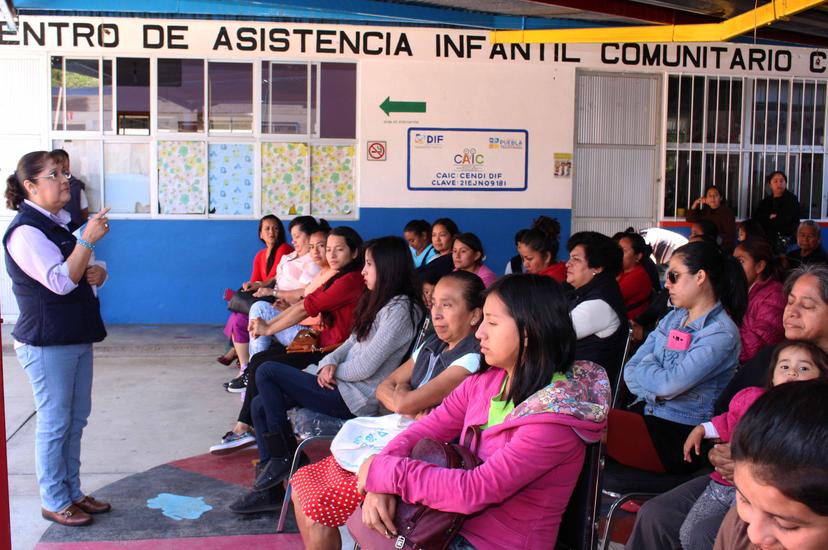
(467, 159)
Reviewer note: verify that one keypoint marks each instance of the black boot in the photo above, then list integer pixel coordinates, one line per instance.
(281, 449)
(268, 500)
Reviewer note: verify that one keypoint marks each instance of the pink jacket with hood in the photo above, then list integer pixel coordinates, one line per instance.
(531, 461)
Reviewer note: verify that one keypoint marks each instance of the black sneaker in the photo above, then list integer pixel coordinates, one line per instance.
(269, 500)
(238, 384)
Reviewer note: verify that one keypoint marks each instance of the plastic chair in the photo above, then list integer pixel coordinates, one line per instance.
(309, 426)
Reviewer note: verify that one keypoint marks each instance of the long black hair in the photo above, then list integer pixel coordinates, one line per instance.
(473, 242)
(395, 277)
(280, 238)
(724, 271)
(760, 250)
(546, 337)
(784, 438)
(354, 242)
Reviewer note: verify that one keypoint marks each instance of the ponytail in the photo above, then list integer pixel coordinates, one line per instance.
(760, 250)
(732, 289)
(28, 167)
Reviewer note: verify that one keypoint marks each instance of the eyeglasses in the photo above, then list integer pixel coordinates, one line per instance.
(673, 276)
(53, 176)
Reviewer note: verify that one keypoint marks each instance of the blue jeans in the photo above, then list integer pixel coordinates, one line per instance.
(282, 387)
(61, 378)
(265, 311)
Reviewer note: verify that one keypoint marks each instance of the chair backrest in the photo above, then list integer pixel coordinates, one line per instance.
(423, 330)
(578, 524)
(620, 388)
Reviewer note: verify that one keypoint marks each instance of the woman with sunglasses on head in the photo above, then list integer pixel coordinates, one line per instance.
(60, 318)
(683, 365)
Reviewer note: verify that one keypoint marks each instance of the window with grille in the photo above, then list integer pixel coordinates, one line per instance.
(732, 132)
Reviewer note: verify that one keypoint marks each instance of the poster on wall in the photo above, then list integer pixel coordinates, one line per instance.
(467, 159)
(563, 165)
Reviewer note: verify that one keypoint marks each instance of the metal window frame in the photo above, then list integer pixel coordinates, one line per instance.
(751, 150)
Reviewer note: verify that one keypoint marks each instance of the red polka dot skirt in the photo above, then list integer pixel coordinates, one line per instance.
(327, 492)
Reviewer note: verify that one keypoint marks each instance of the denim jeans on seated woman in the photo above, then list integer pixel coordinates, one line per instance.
(282, 387)
(266, 311)
(61, 378)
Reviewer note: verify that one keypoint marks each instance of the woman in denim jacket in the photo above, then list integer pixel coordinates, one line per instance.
(688, 360)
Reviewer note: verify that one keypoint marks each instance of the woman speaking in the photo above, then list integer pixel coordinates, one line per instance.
(59, 320)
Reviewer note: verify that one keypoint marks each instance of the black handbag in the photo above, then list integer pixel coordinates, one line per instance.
(242, 300)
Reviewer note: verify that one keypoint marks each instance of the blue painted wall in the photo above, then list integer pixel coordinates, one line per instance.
(176, 271)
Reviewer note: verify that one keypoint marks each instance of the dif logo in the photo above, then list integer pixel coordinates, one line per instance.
(428, 139)
(469, 157)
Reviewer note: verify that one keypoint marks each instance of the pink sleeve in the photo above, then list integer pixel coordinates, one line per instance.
(486, 275)
(726, 423)
(533, 450)
(764, 326)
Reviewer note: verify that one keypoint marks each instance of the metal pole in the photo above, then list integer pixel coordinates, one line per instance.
(5, 519)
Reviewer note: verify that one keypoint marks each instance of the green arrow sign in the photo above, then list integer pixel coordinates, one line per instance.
(389, 106)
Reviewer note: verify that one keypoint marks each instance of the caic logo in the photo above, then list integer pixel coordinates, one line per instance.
(469, 157)
(505, 143)
(428, 139)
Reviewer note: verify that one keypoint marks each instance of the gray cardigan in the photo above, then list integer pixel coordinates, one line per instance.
(361, 366)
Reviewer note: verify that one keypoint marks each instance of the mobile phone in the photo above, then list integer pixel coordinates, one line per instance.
(678, 340)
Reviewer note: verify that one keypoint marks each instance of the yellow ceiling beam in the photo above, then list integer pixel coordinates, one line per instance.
(711, 32)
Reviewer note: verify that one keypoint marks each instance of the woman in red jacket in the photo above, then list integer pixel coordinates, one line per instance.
(634, 282)
(762, 324)
(539, 249)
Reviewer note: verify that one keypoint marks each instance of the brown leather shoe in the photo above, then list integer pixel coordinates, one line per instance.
(71, 516)
(90, 505)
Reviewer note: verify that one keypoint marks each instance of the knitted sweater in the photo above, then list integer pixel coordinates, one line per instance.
(361, 366)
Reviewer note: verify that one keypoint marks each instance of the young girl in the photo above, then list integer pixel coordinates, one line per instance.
(794, 361)
(468, 256)
(780, 472)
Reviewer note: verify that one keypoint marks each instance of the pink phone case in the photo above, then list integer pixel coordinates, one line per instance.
(678, 340)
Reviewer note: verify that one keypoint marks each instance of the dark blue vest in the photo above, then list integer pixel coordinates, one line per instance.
(73, 206)
(607, 352)
(46, 318)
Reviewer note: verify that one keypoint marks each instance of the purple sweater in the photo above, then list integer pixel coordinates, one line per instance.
(530, 462)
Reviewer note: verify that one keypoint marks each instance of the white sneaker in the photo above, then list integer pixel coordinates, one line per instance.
(232, 442)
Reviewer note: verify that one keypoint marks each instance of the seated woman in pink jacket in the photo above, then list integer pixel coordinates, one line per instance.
(762, 324)
(538, 409)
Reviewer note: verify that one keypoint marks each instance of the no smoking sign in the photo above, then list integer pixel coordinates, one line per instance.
(377, 150)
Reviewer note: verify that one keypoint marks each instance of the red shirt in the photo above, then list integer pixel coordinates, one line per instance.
(636, 289)
(557, 271)
(339, 302)
(260, 272)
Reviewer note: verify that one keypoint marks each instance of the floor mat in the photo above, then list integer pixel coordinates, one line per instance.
(186, 499)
